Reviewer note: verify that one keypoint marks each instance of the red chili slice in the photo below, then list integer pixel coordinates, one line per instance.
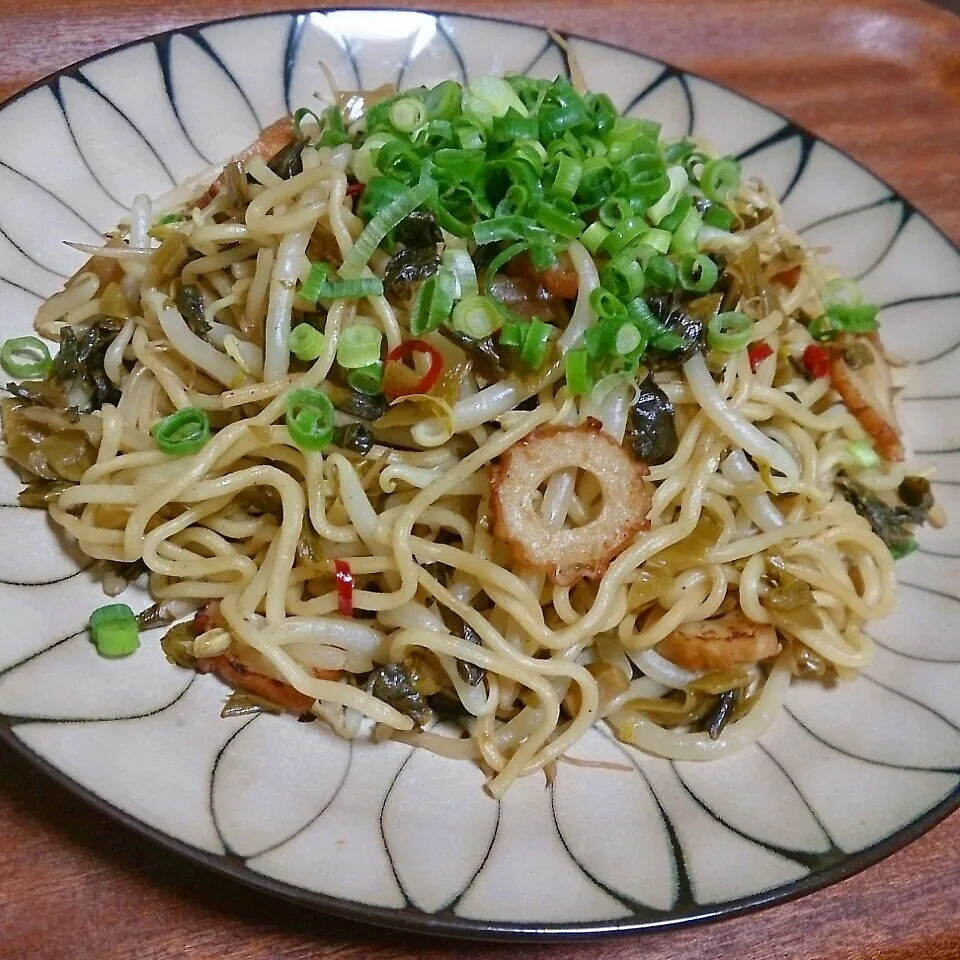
(757, 353)
(397, 375)
(817, 361)
(789, 277)
(344, 587)
(355, 189)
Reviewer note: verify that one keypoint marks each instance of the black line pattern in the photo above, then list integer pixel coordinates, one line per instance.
(685, 906)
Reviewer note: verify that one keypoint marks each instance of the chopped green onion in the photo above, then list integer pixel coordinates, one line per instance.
(487, 97)
(718, 216)
(407, 113)
(555, 218)
(623, 235)
(697, 272)
(592, 238)
(579, 381)
(678, 182)
(476, 317)
(676, 216)
(841, 291)
(542, 257)
(628, 340)
(513, 127)
(443, 100)
(182, 433)
(685, 235)
(864, 454)
(720, 178)
(567, 178)
(300, 116)
(114, 630)
(903, 548)
(433, 303)
(729, 331)
(382, 223)
(623, 277)
(334, 130)
(359, 345)
(534, 347)
(660, 240)
(306, 342)
(399, 161)
(460, 264)
(316, 281)
(367, 380)
(171, 218)
(25, 357)
(605, 304)
(639, 312)
(506, 228)
(613, 211)
(309, 416)
(844, 318)
(661, 273)
(512, 332)
(319, 286)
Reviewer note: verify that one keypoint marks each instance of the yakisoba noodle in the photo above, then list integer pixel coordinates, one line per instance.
(737, 415)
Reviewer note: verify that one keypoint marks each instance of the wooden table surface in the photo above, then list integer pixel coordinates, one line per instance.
(880, 78)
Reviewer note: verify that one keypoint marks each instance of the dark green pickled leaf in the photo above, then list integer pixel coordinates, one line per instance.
(420, 229)
(721, 713)
(892, 524)
(652, 430)
(190, 304)
(394, 685)
(355, 437)
(485, 353)
(287, 162)
(242, 704)
(411, 265)
(41, 493)
(177, 645)
(686, 325)
(356, 404)
(916, 493)
(469, 672)
(81, 360)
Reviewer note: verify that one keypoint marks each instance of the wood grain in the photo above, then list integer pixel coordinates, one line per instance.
(879, 78)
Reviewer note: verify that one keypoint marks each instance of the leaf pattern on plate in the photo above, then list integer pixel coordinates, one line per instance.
(528, 857)
(292, 770)
(751, 794)
(667, 99)
(709, 847)
(831, 188)
(347, 824)
(59, 166)
(780, 161)
(210, 93)
(859, 239)
(260, 77)
(444, 800)
(844, 790)
(632, 856)
(342, 852)
(164, 776)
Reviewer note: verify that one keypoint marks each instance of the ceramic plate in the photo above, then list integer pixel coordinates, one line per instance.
(401, 837)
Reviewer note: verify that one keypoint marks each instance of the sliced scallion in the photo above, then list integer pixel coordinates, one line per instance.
(182, 433)
(729, 332)
(306, 342)
(25, 357)
(114, 630)
(359, 345)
